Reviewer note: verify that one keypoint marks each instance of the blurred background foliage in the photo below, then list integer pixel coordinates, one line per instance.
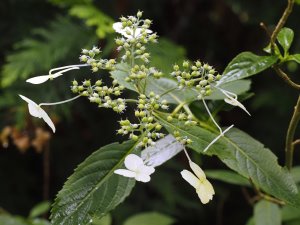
(39, 35)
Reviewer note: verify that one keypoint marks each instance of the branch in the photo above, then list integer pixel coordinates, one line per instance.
(289, 144)
(281, 23)
(285, 77)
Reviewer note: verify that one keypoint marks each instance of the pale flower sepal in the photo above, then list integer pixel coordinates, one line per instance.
(128, 32)
(235, 102)
(136, 169)
(43, 78)
(36, 111)
(198, 180)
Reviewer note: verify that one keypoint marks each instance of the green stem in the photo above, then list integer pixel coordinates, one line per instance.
(281, 23)
(289, 146)
(285, 77)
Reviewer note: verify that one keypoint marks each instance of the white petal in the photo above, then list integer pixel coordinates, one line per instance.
(148, 170)
(197, 170)
(57, 74)
(205, 192)
(47, 119)
(125, 173)
(118, 27)
(32, 107)
(133, 162)
(190, 178)
(38, 79)
(143, 178)
(36, 111)
(235, 102)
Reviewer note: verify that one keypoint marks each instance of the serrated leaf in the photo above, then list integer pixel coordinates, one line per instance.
(120, 74)
(149, 218)
(39, 209)
(105, 220)
(246, 64)
(93, 189)
(267, 213)
(243, 154)
(228, 177)
(168, 89)
(93, 17)
(295, 58)
(34, 56)
(285, 38)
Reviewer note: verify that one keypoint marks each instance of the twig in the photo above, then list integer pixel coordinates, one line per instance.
(281, 23)
(285, 77)
(296, 142)
(289, 144)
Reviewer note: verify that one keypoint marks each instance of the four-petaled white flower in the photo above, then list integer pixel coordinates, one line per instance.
(203, 187)
(36, 111)
(232, 100)
(128, 32)
(136, 169)
(50, 76)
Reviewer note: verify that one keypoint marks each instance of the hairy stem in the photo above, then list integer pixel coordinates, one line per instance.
(289, 144)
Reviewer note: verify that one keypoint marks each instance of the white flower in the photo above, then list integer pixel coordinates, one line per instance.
(44, 78)
(36, 111)
(128, 32)
(203, 187)
(232, 100)
(136, 169)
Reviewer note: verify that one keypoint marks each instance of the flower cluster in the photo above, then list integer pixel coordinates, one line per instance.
(141, 72)
(135, 34)
(91, 57)
(196, 74)
(147, 123)
(101, 94)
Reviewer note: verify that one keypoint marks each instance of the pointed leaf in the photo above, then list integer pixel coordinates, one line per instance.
(39, 209)
(285, 38)
(243, 154)
(93, 189)
(228, 177)
(246, 64)
(295, 58)
(122, 71)
(267, 213)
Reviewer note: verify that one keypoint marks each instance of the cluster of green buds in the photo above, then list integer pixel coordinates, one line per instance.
(183, 140)
(135, 34)
(198, 75)
(141, 72)
(101, 94)
(91, 57)
(182, 116)
(147, 123)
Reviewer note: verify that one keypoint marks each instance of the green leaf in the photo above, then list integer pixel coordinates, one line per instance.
(149, 218)
(93, 189)
(94, 17)
(285, 38)
(246, 64)
(52, 45)
(295, 171)
(295, 58)
(297, 2)
(120, 74)
(6, 219)
(38, 221)
(267, 213)
(165, 54)
(39, 209)
(105, 220)
(250, 221)
(227, 176)
(289, 213)
(177, 96)
(243, 154)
